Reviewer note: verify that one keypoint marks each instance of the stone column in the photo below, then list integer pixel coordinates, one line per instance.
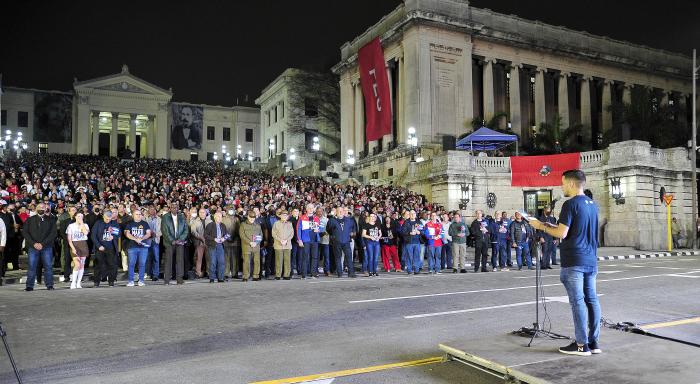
(401, 116)
(516, 119)
(563, 104)
(540, 107)
(113, 134)
(386, 142)
(586, 107)
(132, 132)
(468, 86)
(151, 136)
(95, 132)
(489, 102)
(627, 93)
(347, 101)
(359, 119)
(606, 102)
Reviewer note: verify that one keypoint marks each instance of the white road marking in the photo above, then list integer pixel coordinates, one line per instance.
(599, 272)
(499, 289)
(558, 299)
(692, 277)
(320, 381)
(676, 268)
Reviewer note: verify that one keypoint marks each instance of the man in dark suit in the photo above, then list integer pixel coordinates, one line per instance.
(175, 233)
(13, 226)
(185, 133)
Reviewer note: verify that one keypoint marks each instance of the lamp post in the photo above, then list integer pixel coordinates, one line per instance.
(413, 142)
(16, 143)
(271, 145)
(466, 190)
(250, 159)
(616, 190)
(351, 161)
(292, 157)
(316, 147)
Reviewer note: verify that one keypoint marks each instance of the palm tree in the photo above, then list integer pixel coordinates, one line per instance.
(552, 138)
(648, 120)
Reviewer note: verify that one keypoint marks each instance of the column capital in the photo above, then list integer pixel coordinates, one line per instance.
(585, 77)
(541, 69)
(95, 113)
(516, 65)
(608, 81)
(564, 74)
(133, 116)
(151, 117)
(115, 115)
(628, 85)
(490, 60)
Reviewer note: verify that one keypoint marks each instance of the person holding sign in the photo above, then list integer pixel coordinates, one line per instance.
(578, 229)
(482, 238)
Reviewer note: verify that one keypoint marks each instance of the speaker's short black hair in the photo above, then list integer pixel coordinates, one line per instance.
(575, 175)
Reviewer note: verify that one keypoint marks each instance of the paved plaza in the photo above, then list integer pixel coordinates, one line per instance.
(270, 330)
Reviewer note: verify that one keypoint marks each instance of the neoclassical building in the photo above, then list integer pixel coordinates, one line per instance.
(448, 63)
(104, 116)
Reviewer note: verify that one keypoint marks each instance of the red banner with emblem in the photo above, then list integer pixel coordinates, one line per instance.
(541, 171)
(375, 89)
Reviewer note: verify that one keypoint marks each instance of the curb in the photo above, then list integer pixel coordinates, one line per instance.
(649, 255)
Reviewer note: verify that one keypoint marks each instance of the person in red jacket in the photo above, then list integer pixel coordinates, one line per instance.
(433, 232)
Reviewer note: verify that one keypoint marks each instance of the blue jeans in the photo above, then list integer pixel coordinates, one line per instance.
(549, 253)
(434, 258)
(523, 251)
(504, 253)
(494, 255)
(46, 255)
(372, 256)
(580, 286)
(446, 259)
(412, 257)
(325, 251)
(312, 269)
(133, 254)
(216, 262)
(153, 261)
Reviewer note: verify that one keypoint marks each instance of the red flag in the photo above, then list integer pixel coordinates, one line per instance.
(375, 88)
(541, 171)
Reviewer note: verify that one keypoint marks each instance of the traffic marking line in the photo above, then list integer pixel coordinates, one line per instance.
(559, 299)
(355, 371)
(671, 323)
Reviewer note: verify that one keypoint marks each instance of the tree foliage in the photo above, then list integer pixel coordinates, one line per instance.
(553, 138)
(320, 92)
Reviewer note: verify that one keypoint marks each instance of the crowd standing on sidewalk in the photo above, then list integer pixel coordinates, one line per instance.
(190, 220)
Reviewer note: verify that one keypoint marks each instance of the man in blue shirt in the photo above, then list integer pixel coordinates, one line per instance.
(578, 229)
(339, 228)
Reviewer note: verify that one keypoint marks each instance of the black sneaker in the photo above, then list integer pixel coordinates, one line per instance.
(595, 348)
(575, 349)
(28, 289)
(50, 288)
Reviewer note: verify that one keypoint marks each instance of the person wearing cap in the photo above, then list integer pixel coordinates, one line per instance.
(105, 240)
(232, 245)
(39, 233)
(283, 233)
(251, 237)
(215, 235)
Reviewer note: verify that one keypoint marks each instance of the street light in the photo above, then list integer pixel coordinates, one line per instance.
(413, 142)
(315, 147)
(250, 159)
(216, 157)
(616, 190)
(238, 151)
(292, 157)
(466, 190)
(351, 161)
(272, 147)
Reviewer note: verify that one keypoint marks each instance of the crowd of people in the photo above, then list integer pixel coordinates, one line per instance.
(206, 220)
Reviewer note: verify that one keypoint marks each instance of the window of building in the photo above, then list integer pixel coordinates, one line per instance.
(3, 117)
(282, 109)
(274, 115)
(194, 156)
(210, 156)
(22, 119)
(267, 118)
(248, 135)
(211, 133)
(390, 172)
(227, 134)
(310, 108)
(281, 143)
(375, 175)
(43, 147)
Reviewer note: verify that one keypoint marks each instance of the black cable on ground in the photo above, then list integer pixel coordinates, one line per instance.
(627, 326)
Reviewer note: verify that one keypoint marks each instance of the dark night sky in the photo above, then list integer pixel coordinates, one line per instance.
(211, 52)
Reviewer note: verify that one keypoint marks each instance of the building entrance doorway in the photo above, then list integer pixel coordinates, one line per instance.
(536, 201)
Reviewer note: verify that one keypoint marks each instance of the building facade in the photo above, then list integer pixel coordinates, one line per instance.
(448, 63)
(291, 120)
(107, 115)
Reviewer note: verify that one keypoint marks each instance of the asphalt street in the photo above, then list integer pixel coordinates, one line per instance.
(257, 331)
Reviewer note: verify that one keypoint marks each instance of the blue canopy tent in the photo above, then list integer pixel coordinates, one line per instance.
(485, 139)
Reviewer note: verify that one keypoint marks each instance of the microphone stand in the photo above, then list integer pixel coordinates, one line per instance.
(3, 335)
